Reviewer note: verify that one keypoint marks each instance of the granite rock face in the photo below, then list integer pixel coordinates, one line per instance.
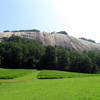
(60, 40)
(67, 41)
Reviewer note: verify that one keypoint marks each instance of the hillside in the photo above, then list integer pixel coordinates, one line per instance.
(60, 40)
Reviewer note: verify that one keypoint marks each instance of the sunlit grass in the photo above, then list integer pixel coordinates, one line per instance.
(13, 73)
(52, 74)
(28, 87)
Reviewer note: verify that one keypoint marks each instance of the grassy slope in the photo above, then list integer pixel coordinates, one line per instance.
(86, 88)
(52, 74)
(13, 73)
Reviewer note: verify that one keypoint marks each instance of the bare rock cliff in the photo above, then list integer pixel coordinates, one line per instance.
(59, 40)
(66, 41)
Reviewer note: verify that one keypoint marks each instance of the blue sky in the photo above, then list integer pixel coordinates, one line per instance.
(80, 18)
(27, 14)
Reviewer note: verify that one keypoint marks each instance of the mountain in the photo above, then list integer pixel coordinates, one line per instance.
(56, 39)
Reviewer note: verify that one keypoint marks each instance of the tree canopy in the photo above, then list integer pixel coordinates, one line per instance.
(16, 52)
(63, 32)
(90, 40)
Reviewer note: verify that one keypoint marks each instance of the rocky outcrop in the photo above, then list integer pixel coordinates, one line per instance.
(60, 40)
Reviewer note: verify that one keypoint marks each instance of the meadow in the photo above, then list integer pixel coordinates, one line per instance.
(12, 73)
(52, 74)
(29, 87)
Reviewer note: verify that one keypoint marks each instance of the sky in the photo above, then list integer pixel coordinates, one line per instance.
(80, 18)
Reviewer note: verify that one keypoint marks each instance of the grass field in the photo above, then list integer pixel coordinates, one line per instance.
(13, 73)
(28, 87)
(52, 74)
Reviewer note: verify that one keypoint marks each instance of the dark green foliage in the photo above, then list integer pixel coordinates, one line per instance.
(31, 30)
(48, 61)
(16, 52)
(81, 63)
(90, 40)
(17, 39)
(63, 32)
(6, 31)
(19, 53)
(13, 38)
(63, 60)
(95, 58)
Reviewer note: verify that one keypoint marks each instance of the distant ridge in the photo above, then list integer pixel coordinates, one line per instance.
(55, 39)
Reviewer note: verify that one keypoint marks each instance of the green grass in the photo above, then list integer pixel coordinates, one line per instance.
(28, 87)
(13, 73)
(52, 74)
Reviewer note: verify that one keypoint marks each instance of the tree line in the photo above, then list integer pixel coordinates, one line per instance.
(16, 52)
(89, 40)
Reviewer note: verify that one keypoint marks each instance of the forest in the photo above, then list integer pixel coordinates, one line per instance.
(20, 53)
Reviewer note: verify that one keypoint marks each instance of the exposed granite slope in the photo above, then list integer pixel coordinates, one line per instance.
(59, 40)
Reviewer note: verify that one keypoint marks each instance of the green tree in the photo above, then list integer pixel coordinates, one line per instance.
(63, 60)
(90, 40)
(48, 61)
(63, 32)
(82, 63)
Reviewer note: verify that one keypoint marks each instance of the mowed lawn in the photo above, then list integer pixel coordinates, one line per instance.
(28, 87)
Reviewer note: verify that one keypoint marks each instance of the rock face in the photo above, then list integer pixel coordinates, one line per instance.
(59, 40)
(67, 41)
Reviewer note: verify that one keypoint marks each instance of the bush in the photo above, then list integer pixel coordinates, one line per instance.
(63, 32)
(90, 40)
(6, 31)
